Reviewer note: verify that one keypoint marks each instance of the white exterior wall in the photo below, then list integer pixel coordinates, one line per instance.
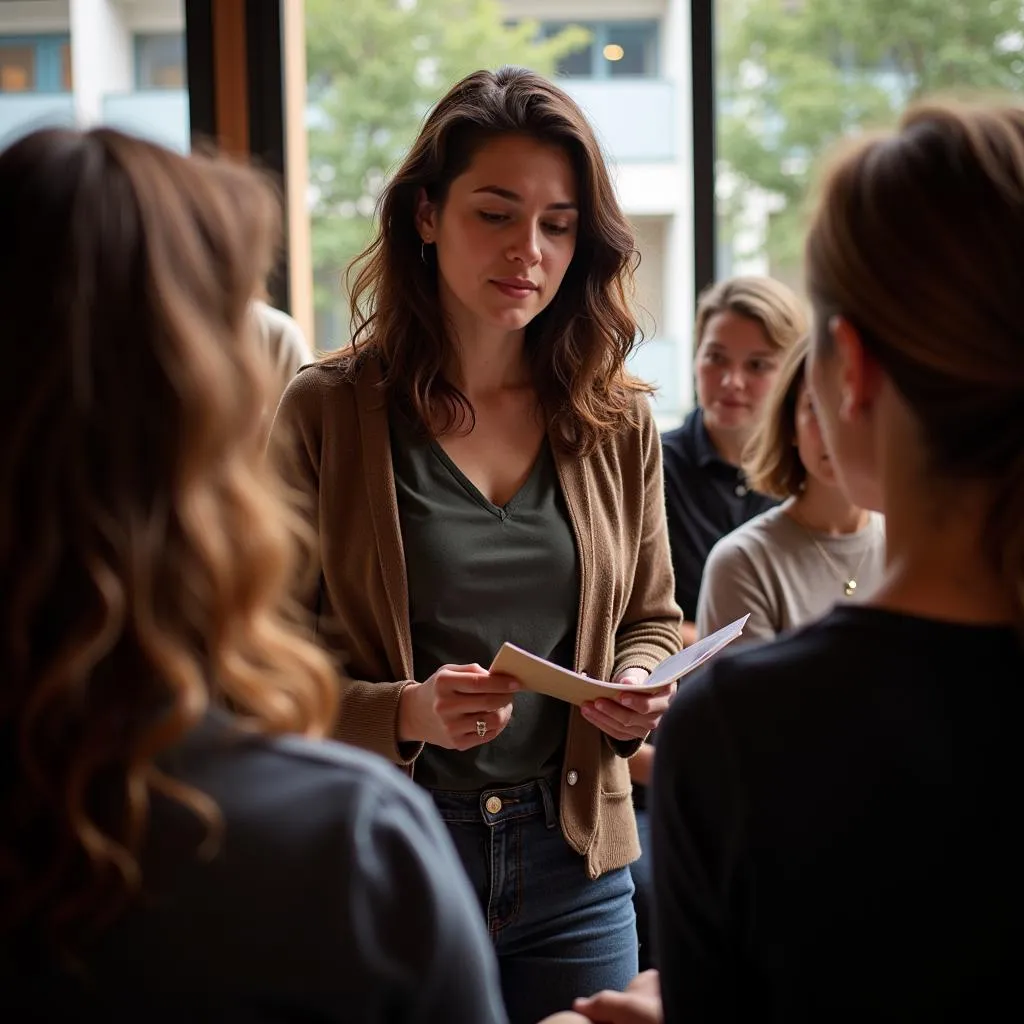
(679, 269)
(102, 57)
(651, 238)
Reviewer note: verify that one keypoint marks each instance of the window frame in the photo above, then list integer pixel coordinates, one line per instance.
(702, 74)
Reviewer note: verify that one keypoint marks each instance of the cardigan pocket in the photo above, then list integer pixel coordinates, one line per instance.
(617, 794)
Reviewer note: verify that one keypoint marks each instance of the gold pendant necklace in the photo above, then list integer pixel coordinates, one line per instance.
(849, 581)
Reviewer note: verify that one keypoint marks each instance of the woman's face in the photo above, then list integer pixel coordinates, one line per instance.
(838, 379)
(810, 444)
(505, 235)
(736, 366)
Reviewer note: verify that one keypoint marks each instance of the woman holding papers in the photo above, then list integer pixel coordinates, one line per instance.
(482, 468)
(818, 855)
(791, 564)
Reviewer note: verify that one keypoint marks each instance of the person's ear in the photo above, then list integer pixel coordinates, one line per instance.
(860, 375)
(426, 217)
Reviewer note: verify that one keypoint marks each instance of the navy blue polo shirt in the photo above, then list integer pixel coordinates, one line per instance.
(705, 499)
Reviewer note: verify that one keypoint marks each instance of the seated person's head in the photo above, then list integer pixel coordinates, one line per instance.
(917, 364)
(744, 327)
(144, 546)
(788, 451)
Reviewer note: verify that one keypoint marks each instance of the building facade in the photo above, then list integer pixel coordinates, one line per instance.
(122, 62)
(117, 62)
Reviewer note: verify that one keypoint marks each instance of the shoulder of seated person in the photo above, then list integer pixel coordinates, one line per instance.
(735, 545)
(672, 440)
(760, 532)
(271, 318)
(328, 772)
(329, 759)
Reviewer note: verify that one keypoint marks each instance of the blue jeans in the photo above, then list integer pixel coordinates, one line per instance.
(558, 933)
(643, 897)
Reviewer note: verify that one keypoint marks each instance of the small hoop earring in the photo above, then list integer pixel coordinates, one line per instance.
(423, 253)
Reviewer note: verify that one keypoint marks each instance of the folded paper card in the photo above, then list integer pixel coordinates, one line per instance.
(543, 676)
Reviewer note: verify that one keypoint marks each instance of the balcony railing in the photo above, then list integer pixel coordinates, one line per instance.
(161, 116)
(23, 112)
(158, 115)
(635, 119)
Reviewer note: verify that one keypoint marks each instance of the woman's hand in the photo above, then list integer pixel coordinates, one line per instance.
(639, 1004)
(629, 716)
(458, 707)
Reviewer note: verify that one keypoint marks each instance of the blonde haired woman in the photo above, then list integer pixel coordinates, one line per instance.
(161, 859)
(744, 328)
(835, 813)
(791, 564)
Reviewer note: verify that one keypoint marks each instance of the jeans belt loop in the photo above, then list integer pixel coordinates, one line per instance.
(550, 816)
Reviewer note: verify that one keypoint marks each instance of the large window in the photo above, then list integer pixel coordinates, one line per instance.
(795, 75)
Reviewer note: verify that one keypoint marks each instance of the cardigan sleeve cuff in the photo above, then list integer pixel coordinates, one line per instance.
(645, 656)
(625, 748)
(368, 718)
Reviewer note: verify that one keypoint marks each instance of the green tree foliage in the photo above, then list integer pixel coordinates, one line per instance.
(375, 67)
(795, 75)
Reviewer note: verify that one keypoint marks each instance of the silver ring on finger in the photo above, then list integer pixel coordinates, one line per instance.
(481, 727)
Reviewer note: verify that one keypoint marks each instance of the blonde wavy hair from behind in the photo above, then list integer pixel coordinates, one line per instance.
(918, 241)
(771, 460)
(146, 548)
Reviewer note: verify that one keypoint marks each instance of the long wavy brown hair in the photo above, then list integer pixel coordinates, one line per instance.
(578, 346)
(145, 547)
(918, 240)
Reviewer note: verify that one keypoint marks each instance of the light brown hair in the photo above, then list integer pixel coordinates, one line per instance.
(578, 346)
(918, 241)
(771, 461)
(145, 547)
(769, 303)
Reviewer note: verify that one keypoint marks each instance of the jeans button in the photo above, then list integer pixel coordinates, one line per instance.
(493, 805)
(573, 777)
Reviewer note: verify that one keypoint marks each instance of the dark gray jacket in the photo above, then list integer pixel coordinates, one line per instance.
(336, 896)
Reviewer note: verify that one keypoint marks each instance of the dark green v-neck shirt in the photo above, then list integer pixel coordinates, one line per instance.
(478, 575)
